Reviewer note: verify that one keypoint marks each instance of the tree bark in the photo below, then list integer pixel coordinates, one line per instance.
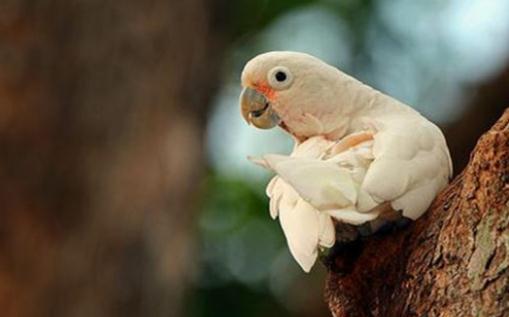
(454, 261)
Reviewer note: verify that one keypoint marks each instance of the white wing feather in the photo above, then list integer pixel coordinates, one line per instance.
(323, 184)
(305, 227)
(331, 185)
(412, 164)
(352, 216)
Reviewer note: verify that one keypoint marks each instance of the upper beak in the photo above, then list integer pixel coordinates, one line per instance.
(256, 109)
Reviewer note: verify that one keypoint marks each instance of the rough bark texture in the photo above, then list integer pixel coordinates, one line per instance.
(102, 105)
(454, 261)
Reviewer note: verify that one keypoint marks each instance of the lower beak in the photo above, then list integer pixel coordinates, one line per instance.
(257, 110)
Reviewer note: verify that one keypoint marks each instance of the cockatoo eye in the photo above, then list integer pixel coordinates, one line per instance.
(280, 78)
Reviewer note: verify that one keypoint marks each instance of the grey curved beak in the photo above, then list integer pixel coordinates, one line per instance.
(257, 110)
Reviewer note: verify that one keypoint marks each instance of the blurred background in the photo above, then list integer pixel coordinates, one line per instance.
(124, 184)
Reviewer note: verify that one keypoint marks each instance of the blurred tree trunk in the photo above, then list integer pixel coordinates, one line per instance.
(102, 105)
(454, 261)
(489, 99)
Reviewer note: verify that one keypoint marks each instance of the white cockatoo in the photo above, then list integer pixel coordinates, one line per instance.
(360, 156)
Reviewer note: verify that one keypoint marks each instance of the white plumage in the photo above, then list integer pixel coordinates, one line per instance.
(356, 151)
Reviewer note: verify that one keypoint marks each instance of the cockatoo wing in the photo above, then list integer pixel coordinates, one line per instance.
(412, 164)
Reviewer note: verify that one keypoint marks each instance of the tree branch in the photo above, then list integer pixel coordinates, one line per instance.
(451, 262)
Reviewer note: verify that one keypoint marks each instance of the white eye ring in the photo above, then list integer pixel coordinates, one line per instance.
(280, 77)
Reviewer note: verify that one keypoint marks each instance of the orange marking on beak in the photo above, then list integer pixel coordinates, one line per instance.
(265, 89)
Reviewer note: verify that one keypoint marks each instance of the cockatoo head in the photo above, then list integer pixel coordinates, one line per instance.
(296, 91)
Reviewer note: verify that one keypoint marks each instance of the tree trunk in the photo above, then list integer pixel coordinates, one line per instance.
(454, 261)
(102, 109)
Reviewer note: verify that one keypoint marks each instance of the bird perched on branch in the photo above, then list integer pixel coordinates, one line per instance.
(361, 158)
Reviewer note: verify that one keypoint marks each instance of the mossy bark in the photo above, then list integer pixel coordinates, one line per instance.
(451, 262)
